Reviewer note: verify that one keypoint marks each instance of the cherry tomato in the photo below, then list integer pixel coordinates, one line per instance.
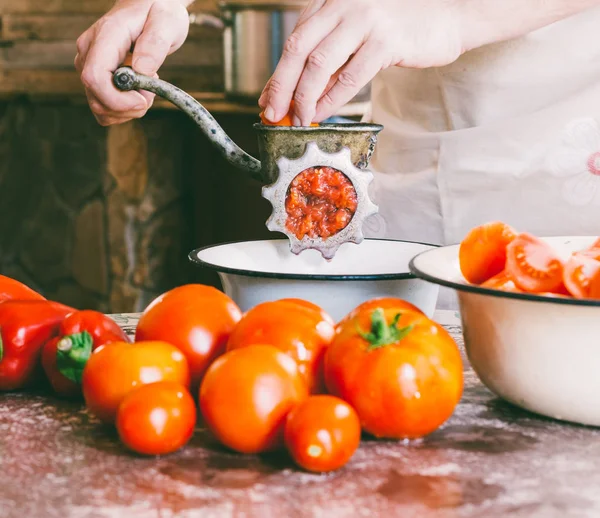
(115, 369)
(195, 318)
(295, 329)
(286, 121)
(381, 302)
(156, 419)
(246, 395)
(502, 282)
(482, 253)
(533, 265)
(578, 273)
(322, 433)
(400, 371)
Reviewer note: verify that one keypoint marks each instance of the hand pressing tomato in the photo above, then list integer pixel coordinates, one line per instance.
(381, 302)
(196, 319)
(64, 356)
(296, 329)
(533, 265)
(286, 121)
(157, 419)
(246, 396)
(400, 371)
(115, 369)
(482, 253)
(322, 433)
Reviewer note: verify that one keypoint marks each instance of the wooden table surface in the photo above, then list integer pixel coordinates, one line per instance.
(490, 460)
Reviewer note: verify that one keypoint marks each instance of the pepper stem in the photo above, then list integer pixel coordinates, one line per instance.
(382, 333)
(73, 352)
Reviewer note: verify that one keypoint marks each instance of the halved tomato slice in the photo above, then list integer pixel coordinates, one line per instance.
(533, 265)
(482, 253)
(502, 282)
(578, 273)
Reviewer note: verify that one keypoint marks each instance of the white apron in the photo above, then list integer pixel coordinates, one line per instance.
(510, 132)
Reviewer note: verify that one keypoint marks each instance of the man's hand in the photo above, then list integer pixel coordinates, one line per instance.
(338, 46)
(156, 27)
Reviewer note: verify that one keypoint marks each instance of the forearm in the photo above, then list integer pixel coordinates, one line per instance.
(490, 21)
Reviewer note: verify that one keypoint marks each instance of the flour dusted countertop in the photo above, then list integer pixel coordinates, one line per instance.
(490, 460)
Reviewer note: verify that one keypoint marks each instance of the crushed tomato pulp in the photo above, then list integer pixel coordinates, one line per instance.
(320, 202)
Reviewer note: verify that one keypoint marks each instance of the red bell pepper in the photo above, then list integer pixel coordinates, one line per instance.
(64, 356)
(11, 289)
(25, 326)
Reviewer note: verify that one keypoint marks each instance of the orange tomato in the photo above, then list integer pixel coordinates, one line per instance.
(115, 369)
(196, 319)
(482, 253)
(246, 395)
(381, 302)
(296, 329)
(578, 274)
(502, 282)
(156, 419)
(322, 433)
(286, 121)
(400, 371)
(533, 265)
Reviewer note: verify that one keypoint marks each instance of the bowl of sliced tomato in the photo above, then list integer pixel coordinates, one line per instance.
(530, 308)
(253, 272)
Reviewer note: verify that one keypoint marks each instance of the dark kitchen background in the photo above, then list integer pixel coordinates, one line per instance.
(104, 218)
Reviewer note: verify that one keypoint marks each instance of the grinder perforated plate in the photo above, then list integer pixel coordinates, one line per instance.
(277, 192)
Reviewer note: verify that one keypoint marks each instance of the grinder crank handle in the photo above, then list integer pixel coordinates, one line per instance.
(126, 79)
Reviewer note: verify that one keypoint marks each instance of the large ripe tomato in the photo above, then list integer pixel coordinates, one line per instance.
(157, 419)
(381, 302)
(295, 329)
(322, 433)
(400, 371)
(482, 253)
(195, 318)
(115, 369)
(533, 265)
(246, 396)
(578, 274)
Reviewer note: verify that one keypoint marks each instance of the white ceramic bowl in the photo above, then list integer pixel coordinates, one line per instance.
(539, 353)
(257, 271)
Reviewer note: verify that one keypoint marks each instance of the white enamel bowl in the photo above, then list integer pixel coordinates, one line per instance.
(257, 271)
(539, 353)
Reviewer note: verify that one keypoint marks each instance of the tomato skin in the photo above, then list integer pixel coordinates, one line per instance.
(380, 302)
(482, 253)
(156, 419)
(196, 319)
(322, 433)
(115, 369)
(533, 265)
(295, 329)
(246, 396)
(502, 282)
(405, 389)
(578, 274)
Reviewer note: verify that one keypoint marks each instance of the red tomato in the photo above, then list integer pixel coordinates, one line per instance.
(115, 369)
(246, 396)
(195, 318)
(295, 329)
(533, 265)
(578, 273)
(322, 433)
(157, 419)
(311, 305)
(400, 371)
(381, 302)
(502, 282)
(482, 253)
